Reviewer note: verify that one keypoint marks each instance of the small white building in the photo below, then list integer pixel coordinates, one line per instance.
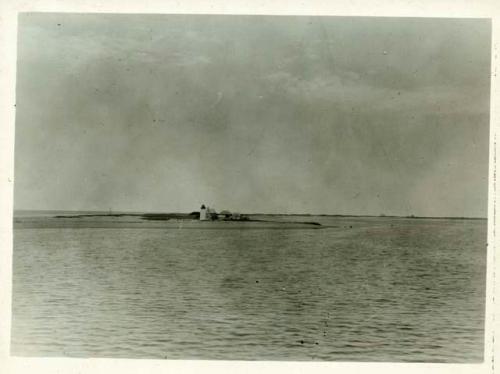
(207, 214)
(203, 213)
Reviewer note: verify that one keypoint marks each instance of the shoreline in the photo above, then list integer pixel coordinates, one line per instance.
(181, 218)
(189, 221)
(153, 215)
(160, 221)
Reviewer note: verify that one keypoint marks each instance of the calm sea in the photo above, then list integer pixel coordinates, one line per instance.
(373, 289)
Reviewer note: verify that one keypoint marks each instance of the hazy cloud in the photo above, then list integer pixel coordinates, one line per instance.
(276, 114)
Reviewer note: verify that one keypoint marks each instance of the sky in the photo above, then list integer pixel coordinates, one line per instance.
(325, 115)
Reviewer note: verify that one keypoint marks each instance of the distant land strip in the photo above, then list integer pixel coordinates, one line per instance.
(168, 216)
(159, 216)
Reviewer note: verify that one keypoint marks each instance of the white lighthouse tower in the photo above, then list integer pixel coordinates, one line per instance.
(203, 213)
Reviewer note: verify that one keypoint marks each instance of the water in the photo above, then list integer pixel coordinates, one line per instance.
(381, 290)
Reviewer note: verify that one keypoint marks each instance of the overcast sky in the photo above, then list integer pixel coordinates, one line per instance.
(284, 114)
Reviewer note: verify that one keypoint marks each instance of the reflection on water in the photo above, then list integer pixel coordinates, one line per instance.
(383, 290)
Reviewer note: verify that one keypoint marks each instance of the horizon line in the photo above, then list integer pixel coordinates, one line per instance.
(382, 215)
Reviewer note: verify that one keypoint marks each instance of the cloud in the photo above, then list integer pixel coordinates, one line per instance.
(254, 113)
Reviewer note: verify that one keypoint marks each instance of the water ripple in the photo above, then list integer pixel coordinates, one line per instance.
(386, 290)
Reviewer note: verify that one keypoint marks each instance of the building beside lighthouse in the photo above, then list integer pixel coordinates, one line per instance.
(209, 214)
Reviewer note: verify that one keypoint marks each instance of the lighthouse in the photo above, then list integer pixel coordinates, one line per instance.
(203, 213)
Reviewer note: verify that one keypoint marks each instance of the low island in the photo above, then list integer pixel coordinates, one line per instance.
(205, 218)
